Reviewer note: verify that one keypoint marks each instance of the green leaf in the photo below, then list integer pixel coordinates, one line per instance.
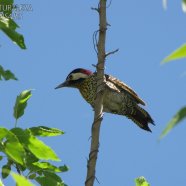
(140, 181)
(15, 150)
(6, 74)
(1, 157)
(64, 168)
(177, 54)
(47, 166)
(21, 180)
(5, 171)
(32, 176)
(30, 158)
(41, 150)
(50, 179)
(184, 6)
(45, 131)
(34, 145)
(180, 115)
(8, 26)
(54, 177)
(11, 146)
(21, 103)
(3, 133)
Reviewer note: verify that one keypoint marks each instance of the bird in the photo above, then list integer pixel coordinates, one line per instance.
(118, 97)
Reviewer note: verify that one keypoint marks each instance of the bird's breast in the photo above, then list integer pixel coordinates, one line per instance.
(88, 90)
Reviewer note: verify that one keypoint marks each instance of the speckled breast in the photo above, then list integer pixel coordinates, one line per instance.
(88, 89)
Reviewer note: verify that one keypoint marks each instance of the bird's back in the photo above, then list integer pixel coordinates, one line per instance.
(118, 99)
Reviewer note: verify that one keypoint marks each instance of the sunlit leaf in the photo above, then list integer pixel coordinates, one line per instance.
(21, 180)
(34, 145)
(3, 132)
(45, 131)
(184, 6)
(8, 26)
(1, 183)
(47, 166)
(177, 54)
(6, 74)
(180, 115)
(21, 103)
(11, 146)
(140, 181)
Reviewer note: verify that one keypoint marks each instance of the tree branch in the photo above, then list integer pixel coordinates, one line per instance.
(98, 104)
(112, 52)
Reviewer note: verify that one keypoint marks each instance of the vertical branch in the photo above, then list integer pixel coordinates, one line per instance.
(98, 104)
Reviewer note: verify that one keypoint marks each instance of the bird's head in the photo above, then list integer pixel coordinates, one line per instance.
(75, 77)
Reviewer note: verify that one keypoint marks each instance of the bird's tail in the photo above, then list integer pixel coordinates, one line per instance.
(141, 117)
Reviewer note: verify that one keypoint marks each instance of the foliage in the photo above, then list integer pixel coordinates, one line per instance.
(6, 74)
(177, 54)
(21, 103)
(140, 181)
(181, 114)
(8, 25)
(21, 180)
(28, 154)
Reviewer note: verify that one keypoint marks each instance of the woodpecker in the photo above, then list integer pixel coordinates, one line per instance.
(118, 98)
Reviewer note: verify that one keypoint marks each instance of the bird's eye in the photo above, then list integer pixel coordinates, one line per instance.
(70, 77)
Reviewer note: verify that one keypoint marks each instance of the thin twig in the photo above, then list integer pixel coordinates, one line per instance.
(94, 65)
(96, 9)
(108, 24)
(112, 52)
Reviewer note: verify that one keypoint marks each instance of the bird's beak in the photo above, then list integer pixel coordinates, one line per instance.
(64, 84)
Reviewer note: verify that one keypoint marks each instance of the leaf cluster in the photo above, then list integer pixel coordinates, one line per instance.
(28, 154)
(8, 26)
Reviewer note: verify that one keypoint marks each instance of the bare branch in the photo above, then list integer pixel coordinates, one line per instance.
(94, 65)
(98, 103)
(112, 52)
(96, 9)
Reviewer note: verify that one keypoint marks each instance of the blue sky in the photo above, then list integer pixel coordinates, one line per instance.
(58, 36)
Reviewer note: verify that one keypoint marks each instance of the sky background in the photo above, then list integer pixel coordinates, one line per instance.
(58, 36)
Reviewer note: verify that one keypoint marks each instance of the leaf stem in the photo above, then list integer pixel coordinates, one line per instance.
(15, 123)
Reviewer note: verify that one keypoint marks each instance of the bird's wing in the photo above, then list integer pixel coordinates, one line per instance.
(122, 87)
